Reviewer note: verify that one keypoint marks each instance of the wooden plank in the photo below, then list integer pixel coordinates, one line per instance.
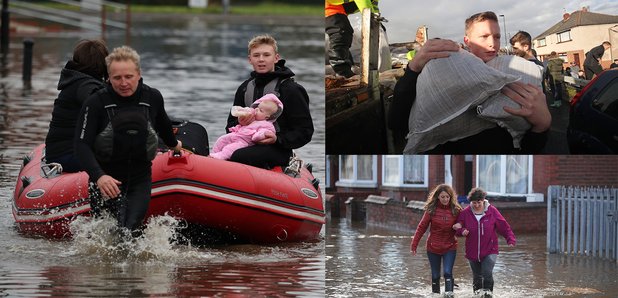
(370, 37)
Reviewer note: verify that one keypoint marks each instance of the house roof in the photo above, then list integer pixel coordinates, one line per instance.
(579, 18)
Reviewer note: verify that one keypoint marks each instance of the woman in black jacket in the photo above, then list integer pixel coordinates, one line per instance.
(81, 77)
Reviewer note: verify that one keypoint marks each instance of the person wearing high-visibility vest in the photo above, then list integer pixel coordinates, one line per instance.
(340, 32)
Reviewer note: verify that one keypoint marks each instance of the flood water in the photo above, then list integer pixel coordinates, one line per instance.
(197, 64)
(372, 262)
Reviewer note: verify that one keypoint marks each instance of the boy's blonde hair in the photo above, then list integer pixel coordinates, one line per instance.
(480, 17)
(123, 53)
(260, 40)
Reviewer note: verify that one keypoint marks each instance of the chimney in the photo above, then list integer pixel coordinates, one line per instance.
(565, 16)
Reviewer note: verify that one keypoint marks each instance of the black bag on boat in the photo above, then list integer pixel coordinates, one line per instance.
(193, 136)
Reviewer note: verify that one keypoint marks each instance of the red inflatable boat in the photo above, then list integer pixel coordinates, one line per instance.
(252, 204)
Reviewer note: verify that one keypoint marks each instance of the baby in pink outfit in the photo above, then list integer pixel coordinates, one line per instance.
(266, 110)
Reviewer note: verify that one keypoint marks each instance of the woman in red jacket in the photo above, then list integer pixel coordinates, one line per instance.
(479, 223)
(441, 211)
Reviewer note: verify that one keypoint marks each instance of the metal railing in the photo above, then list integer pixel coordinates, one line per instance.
(583, 221)
(85, 14)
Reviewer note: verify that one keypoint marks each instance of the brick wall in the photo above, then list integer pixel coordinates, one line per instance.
(415, 194)
(458, 171)
(396, 215)
(392, 215)
(524, 217)
(336, 200)
(527, 217)
(436, 170)
(543, 167)
(582, 170)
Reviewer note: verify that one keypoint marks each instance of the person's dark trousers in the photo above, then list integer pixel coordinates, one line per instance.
(340, 35)
(133, 203)
(482, 273)
(435, 261)
(551, 86)
(262, 156)
(558, 91)
(591, 70)
(69, 162)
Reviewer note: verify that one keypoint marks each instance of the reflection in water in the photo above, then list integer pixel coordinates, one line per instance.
(200, 275)
(197, 64)
(96, 264)
(369, 262)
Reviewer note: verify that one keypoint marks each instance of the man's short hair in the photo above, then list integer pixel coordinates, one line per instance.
(260, 40)
(480, 17)
(522, 37)
(123, 53)
(607, 43)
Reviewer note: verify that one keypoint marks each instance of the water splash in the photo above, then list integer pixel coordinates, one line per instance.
(102, 240)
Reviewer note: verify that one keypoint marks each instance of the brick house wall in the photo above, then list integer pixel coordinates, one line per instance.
(524, 217)
(395, 213)
(584, 170)
(436, 170)
(436, 174)
(388, 213)
(458, 172)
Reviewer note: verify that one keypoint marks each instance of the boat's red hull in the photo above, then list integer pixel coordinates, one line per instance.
(253, 204)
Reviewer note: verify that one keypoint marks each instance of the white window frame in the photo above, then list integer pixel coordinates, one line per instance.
(502, 192)
(559, 36)
(448, 174)
(355, 182)
(400, 183)
(542, 42)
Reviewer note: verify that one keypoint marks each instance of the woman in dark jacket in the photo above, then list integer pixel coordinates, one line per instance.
(81, 77)
(441, 211)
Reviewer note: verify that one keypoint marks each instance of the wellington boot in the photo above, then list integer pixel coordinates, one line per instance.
(435, 285)
(448, 287)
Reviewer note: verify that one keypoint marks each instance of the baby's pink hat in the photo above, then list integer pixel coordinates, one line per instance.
(273, 98)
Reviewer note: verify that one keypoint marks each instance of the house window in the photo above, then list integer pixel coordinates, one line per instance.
(564, 36)
(542, 42)
(404, 170)
(504, 174)
(357, 171)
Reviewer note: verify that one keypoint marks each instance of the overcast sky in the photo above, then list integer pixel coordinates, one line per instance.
(445, 18)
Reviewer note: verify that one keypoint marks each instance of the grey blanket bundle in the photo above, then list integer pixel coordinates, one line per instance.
(459, 96)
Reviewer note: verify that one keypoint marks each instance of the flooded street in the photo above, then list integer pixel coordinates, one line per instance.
(197, 64)
(373, 262)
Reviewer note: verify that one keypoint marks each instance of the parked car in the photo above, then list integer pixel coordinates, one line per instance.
(593, 118)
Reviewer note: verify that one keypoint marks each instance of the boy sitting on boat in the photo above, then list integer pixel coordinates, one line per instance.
(294, 126)
(264, 112)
